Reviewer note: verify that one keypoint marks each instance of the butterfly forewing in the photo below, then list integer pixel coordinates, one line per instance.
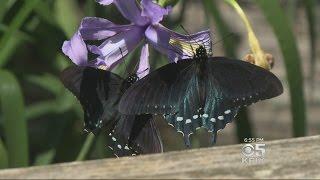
(98, 92)
(240, 83)
(158, 93)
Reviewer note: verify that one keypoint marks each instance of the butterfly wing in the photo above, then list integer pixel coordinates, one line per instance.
(98, 92)
(209, 97)
(159, 92)
(242, 83)
(134, 135)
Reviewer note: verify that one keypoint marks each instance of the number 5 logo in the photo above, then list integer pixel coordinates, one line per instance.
(260, 149)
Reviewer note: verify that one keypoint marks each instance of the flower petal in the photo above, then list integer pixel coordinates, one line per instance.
(76, 50)
(153, 11)
(158, 38)
(104, 2)
(118, 46)
(178, 46)
(131, 11)
(144, 66)
(93, 28)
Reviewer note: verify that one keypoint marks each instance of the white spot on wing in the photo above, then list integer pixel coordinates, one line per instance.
(179, 118)
(188, 121)
(195, 116)
(114, 139)
(227, 111)
(213, 120)
(205, 115)
(220, 117)
(119, 146)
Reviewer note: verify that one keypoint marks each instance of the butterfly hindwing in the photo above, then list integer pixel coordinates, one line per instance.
(98, 92)
(134, 135)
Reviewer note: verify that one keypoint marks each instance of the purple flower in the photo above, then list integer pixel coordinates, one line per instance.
(119, 40)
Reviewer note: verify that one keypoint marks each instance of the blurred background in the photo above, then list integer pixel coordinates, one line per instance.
(42, 123)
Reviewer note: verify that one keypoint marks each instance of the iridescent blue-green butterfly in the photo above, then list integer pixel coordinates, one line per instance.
(201, 91)
(99, 93)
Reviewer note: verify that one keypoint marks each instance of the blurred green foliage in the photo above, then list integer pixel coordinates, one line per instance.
(41, 122)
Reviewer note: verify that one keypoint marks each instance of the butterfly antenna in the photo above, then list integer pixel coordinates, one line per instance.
(189, 34)
(143, 71)
(223, 38)
(190, 38)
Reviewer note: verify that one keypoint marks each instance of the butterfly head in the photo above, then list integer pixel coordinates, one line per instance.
(201, 52)
(132, 79)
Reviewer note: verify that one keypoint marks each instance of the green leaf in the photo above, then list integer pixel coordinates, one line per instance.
(67, 15)
(4, 6)
(286, 40)
(48, 82)
(45, 158)
(90, 8)
(63, 102)
(3, 156)
(41, 108)
(14, 123)
(14, 26)
(7, 51)
(20, 34)
(44, 11)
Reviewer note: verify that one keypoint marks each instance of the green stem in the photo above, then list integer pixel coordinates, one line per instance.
(86, 147)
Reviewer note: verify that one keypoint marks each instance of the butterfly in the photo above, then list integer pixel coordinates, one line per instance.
(200, 91)
(99, 93)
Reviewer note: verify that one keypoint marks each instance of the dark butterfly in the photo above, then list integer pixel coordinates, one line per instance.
(99, 93)
(200, 92)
